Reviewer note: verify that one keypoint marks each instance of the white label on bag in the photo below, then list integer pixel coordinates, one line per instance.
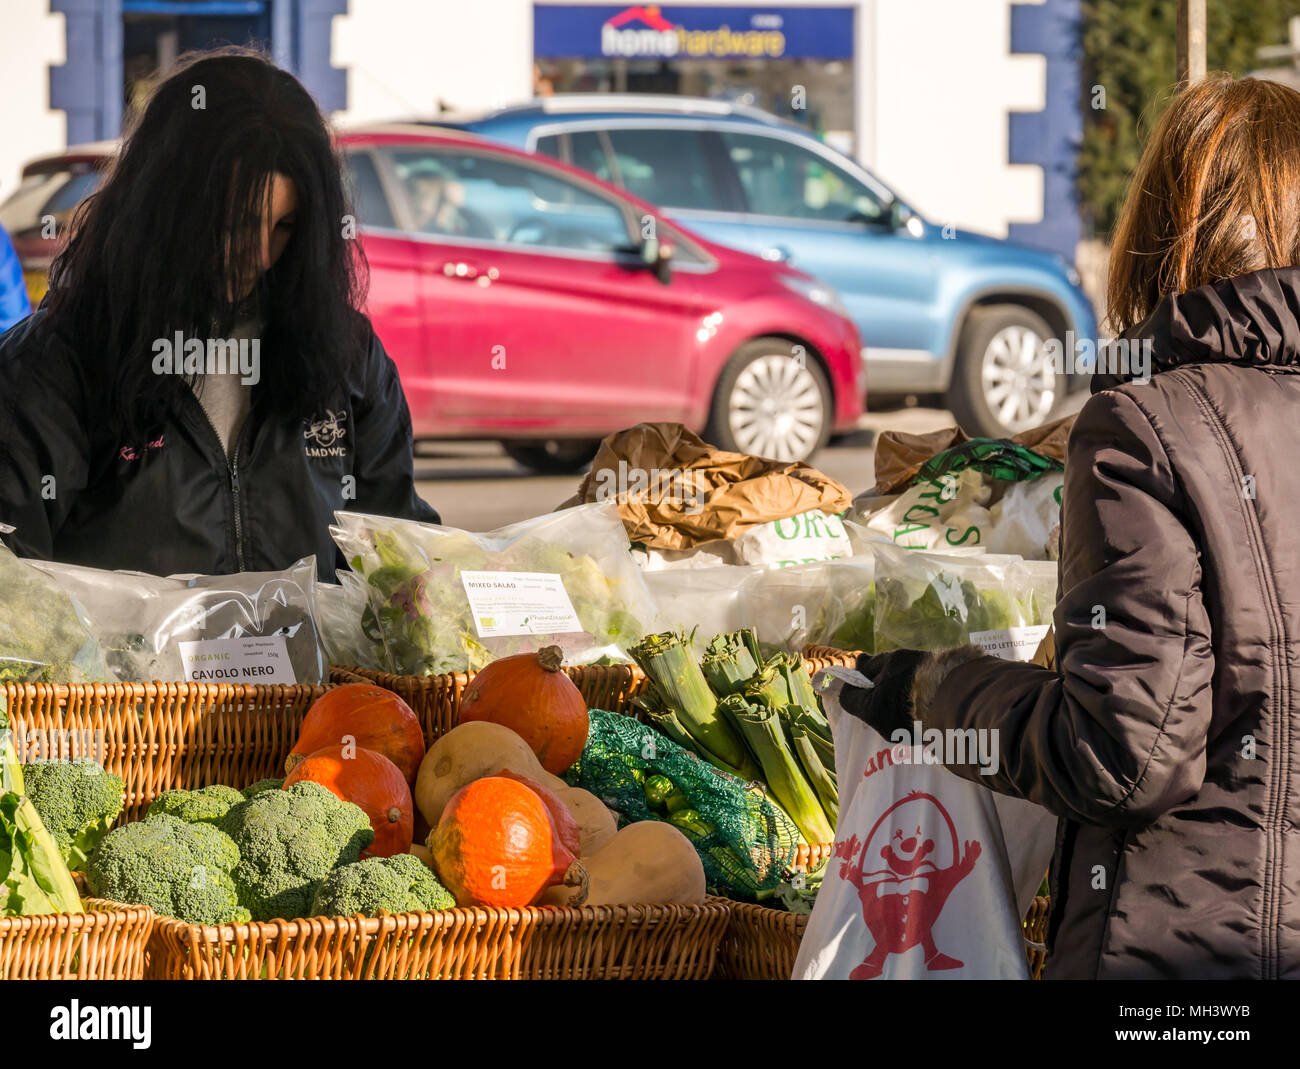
(1011, 643)
(519, 603)
(237, 660)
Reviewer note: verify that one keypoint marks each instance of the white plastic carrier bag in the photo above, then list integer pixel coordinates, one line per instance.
(931, 874)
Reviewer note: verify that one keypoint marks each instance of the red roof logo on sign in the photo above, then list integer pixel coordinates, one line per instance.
(649, 15)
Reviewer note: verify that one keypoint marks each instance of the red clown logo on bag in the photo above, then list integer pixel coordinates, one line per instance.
(904, 874)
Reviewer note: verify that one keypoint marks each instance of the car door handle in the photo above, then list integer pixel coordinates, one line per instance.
(470, 272)
(777, 254)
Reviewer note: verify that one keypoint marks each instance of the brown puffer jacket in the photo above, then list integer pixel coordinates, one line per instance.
(1164, 739)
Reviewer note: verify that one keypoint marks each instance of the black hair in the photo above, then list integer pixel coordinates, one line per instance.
(154, 249)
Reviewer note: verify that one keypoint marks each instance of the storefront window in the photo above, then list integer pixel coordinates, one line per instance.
(795, 62)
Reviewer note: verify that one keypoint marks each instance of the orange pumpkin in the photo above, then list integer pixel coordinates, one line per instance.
(531, 696)
(369, 715)
(496, 845)
(371, 781)
(566, 828)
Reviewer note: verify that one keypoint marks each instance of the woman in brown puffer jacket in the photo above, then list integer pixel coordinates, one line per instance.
(1164, 739)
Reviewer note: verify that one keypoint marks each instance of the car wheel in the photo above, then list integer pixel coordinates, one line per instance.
(772, 400)
(1005, 380)
(554, 456)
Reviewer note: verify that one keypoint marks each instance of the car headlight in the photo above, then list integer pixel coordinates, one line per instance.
(817, 292)
(1071, 275)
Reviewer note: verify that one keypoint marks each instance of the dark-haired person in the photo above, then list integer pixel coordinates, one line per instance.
(1167, 741)
(198, 392)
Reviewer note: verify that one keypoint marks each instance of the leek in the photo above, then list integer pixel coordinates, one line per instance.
(756, 717)
(682, 690)
(822, 781)
(730, 660)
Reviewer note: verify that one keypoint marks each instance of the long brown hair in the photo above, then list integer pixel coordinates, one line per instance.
(1225, 149)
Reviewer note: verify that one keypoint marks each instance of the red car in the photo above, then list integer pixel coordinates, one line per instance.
(525, 300)
(528, 301)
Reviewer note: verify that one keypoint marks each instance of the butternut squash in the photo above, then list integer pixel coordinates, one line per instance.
(422, 852)
(647, 863)
(468, 752)
(596, 824)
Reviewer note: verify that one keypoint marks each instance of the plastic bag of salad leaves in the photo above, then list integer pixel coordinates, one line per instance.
(446, 600)
(827, 603)
(347, 624)
(250, 627)
(44, 635)
(929, 600)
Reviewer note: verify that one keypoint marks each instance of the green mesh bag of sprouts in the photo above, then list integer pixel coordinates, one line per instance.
(747, 844)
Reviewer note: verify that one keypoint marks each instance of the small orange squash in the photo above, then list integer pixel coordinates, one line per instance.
(566, 827)
(369, 780)
(368, 714)
(496, 845)
(531, 696)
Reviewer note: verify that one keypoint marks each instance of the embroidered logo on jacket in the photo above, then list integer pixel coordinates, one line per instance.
(128, 453)
(327, 434)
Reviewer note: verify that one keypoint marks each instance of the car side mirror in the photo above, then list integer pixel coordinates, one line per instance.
(657, 255)
(901, 217)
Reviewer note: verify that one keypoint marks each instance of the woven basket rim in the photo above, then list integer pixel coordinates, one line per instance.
(481, 915)
(96, 908)
(161, 688)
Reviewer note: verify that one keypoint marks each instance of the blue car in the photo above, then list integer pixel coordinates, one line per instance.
(942, 312)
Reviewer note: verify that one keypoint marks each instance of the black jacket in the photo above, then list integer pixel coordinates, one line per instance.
(176, 503)
(1168, 738)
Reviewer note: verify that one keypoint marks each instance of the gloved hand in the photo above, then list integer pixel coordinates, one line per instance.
(887, 706)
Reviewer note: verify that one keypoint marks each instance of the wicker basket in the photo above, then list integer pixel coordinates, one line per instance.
(107, 942)
(161, 736)
(626, 942)
(540, 943)
(1036, 935)
(454, 944)
(762, 943)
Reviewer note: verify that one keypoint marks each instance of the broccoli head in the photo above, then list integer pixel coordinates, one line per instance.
(206, 805)
(288, 842)
(178, 869)
(262, 785)
(398, 884)
(78, 802)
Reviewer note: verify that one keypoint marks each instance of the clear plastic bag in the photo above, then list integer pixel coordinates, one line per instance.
(929, 600)
(250, 627)
(44, 634)
(568, 579)
(827, 603)
(701, 602)
(347, 626)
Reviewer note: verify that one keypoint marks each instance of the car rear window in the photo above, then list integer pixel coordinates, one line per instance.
(668, 167)
(46, 193)
(368, 198)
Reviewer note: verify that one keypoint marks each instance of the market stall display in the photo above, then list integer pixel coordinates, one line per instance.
(537, 756)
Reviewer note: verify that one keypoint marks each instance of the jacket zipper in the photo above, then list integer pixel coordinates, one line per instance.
(234, 493)
(232, 471)
(1278, 741)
